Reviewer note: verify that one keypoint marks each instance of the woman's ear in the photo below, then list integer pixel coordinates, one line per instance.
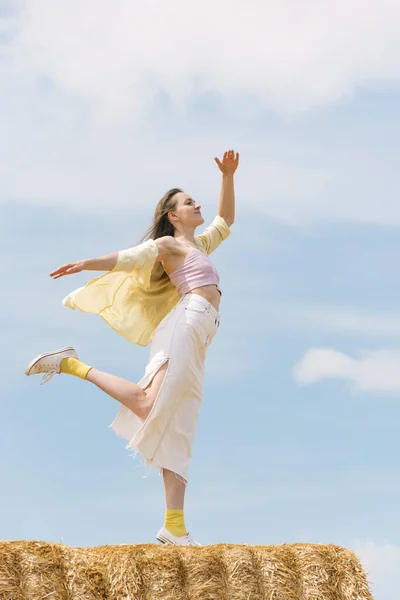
(172, 216)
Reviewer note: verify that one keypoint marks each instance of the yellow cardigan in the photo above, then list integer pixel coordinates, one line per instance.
(133, 298)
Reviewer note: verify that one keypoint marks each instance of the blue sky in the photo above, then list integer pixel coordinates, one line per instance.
(298, 433)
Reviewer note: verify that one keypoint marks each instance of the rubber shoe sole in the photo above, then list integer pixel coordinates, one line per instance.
(166, 538)
(41, 356)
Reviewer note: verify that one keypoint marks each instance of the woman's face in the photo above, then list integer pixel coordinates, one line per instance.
(187, 211)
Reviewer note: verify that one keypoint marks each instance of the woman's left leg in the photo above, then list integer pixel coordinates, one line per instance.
(174, 501)
(174, 491)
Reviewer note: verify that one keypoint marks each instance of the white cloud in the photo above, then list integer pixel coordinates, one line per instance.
(382, 564)
(290, 55)
(374, 371)
(83, 125)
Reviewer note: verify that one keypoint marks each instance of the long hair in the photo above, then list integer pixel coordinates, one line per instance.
(161, 224)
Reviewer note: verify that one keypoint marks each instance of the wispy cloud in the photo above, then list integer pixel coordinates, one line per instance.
(373, 371)
(116, 60)
(334, 319)
(97, 107)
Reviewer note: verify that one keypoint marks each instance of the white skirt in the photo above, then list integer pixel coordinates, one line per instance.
(165, 438)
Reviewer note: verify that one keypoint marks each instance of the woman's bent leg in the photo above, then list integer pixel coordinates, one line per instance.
(140, 401)
(129, 394)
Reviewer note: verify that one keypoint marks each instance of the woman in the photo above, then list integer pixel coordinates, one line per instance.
(164, 290)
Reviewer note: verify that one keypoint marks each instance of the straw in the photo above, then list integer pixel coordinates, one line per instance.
(46, 571)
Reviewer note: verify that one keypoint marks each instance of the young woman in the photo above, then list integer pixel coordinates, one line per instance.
(164, 290)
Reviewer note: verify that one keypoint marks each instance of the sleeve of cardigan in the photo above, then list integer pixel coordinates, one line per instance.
(99, 293)
(215, 233)
(137, 257)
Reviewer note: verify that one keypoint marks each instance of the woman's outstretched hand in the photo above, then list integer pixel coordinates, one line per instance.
(229, 162)
(68, 269)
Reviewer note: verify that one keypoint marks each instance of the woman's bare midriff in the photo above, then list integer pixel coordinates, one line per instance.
(210, 293)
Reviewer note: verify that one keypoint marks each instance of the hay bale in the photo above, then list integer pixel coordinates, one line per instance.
(44, 571)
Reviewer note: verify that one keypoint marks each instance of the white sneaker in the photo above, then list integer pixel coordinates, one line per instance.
(49, 363)
(165, 537)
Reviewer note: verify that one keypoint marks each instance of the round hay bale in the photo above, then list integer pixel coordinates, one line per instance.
(39, 571)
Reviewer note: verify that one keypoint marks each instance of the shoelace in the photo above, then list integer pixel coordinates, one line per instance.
(48, 375)
(191, 540)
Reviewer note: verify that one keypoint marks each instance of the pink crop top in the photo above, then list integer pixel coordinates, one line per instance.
(195, 271)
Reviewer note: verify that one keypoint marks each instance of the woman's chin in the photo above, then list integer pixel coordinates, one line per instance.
(197, 220)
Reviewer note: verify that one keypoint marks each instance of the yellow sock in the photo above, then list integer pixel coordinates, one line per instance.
(73, 366)
(175, 522)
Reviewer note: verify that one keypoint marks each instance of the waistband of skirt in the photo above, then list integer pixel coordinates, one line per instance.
(188, 298)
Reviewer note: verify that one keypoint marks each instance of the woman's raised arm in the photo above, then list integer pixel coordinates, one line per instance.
(228, 166)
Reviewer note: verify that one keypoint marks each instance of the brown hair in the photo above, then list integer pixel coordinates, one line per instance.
(161, 224)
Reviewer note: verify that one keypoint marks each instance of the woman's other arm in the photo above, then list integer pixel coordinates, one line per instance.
(108, 262)
(103, 263)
